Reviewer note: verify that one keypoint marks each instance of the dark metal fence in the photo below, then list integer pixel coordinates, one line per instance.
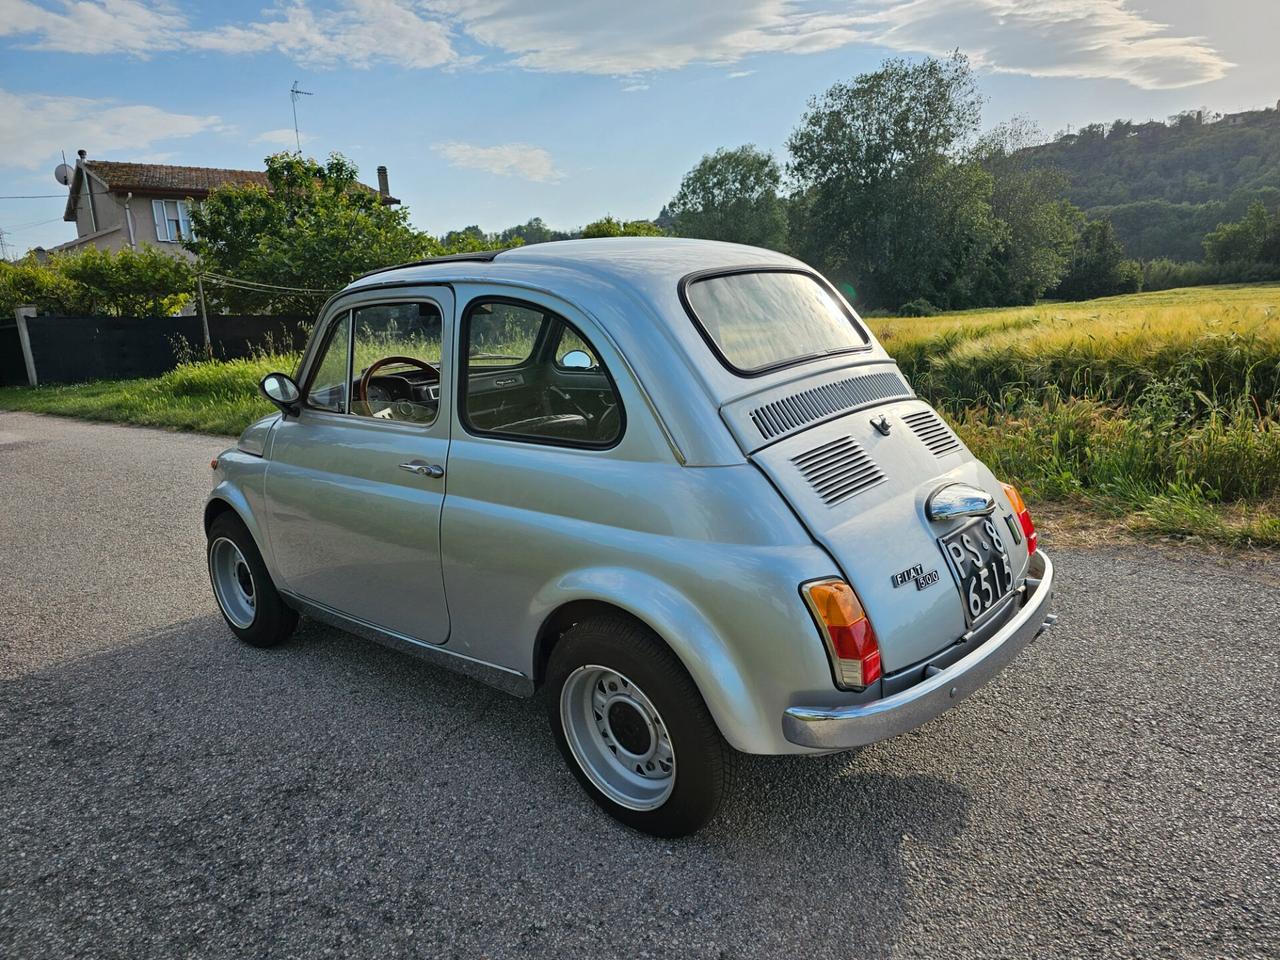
(78, 349)
(12, 367)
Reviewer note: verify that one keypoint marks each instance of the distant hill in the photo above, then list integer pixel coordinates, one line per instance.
(1164, 186)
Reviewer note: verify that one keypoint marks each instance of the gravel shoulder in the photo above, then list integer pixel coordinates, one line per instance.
(168, 792)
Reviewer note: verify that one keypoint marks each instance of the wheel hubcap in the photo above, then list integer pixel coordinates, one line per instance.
(233, 584)
(618, 737)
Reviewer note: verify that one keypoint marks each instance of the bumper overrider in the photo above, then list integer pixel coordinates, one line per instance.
(839, 728)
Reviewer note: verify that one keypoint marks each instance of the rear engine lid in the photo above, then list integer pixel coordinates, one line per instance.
(769, 415)
(860, 482)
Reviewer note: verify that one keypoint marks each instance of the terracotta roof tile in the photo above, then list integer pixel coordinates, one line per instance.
(194, 182)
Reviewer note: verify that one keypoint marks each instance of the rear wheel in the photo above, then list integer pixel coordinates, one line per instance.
(633, 728)
(249, 601)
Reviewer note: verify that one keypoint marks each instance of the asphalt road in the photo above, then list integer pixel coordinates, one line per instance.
(167, 792)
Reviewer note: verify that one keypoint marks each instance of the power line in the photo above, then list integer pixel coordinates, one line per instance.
(33, 196)
(254, 285)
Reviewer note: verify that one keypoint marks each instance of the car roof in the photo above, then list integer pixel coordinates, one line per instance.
(630, 260)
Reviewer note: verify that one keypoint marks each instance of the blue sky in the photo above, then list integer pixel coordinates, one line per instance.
(495, 111)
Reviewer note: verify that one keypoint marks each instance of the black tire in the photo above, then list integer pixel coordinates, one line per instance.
(704, 762)
(273, 621)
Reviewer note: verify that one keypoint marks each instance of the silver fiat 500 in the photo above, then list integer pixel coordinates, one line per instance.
(676, 485)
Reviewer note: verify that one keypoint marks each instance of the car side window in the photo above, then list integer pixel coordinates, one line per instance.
(329, 383)
(571, 350)
(502, 334)
(396, 369)
(513, 384)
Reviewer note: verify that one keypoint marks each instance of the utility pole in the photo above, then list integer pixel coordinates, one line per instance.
(204, 319)
(294, 93)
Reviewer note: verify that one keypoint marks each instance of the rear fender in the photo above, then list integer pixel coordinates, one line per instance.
(682, 626)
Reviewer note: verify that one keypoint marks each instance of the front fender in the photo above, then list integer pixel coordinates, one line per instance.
(711, 662)
(241, 485)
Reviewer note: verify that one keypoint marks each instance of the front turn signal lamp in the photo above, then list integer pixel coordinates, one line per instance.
(1023, 514)
(851, 640)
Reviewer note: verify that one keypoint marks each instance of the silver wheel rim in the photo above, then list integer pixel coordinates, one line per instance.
(618, 737)
(233, 583)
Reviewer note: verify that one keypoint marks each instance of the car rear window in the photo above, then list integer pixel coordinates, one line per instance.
(765, 319)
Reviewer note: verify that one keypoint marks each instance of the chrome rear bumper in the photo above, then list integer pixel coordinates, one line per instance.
(841, 728)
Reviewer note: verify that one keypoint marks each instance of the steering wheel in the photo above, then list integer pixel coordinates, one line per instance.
(362, 389)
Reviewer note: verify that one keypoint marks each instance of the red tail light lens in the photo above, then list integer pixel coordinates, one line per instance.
(1024, 516)
(853, 646)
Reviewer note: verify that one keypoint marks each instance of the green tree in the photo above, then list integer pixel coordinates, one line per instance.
(532, 231)
(1098, 267)
(1255, 238)
(315, 227)
(732, 195)
(1039, 228)
(889, 198)
(612, 227)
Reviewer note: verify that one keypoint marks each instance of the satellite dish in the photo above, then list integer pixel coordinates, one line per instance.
(62, 173)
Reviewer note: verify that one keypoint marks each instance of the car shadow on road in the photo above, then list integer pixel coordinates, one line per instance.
(217, 787)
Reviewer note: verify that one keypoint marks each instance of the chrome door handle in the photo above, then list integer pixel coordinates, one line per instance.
(423, 469)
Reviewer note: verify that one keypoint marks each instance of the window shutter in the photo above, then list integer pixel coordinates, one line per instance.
(162, 226)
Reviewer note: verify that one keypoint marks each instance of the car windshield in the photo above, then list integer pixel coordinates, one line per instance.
(768, 319)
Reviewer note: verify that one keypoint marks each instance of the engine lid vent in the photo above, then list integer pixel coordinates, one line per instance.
(937, 436)
(838, 470)
(790, 413)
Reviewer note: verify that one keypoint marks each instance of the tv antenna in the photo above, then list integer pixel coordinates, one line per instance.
(294, 93)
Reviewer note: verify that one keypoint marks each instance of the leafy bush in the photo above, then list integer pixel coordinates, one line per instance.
(93, 282)
(919, 307)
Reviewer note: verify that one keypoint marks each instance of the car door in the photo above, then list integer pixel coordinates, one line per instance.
(355, 483)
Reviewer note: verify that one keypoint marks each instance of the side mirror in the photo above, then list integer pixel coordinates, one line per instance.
(577, 360)
(281, 390)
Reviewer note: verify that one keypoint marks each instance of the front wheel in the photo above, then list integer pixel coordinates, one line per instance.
(634, 729)
(249, 601)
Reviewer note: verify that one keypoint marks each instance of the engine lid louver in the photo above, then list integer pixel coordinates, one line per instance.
(790, 413)
(937, 436)
(838, 470)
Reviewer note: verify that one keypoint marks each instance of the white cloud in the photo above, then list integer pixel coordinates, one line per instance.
(1061, 38)
(505, 159)
(280, 137)
(736, 74)
(136, 27)
(357, 32)
(1054, 38)
(1093, 39)
(585, 36)
(35, 128)
(634, 86)
(354, 32)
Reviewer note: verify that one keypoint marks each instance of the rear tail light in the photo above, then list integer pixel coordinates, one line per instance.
(1023, 515)
(851, 641)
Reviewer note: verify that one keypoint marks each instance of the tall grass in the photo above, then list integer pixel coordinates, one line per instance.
(1164, 407)
(211, 396)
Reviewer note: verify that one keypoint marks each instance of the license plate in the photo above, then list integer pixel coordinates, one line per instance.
(978, 557)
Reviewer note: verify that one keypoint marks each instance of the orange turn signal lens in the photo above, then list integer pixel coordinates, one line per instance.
(853, 646)
(1024, 516)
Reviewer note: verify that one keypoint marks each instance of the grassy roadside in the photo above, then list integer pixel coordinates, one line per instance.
(208, 397)
(1159, 413)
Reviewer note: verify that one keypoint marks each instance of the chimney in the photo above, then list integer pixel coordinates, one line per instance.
(384, 188)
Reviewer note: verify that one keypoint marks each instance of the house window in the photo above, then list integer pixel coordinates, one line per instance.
(173, 220)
